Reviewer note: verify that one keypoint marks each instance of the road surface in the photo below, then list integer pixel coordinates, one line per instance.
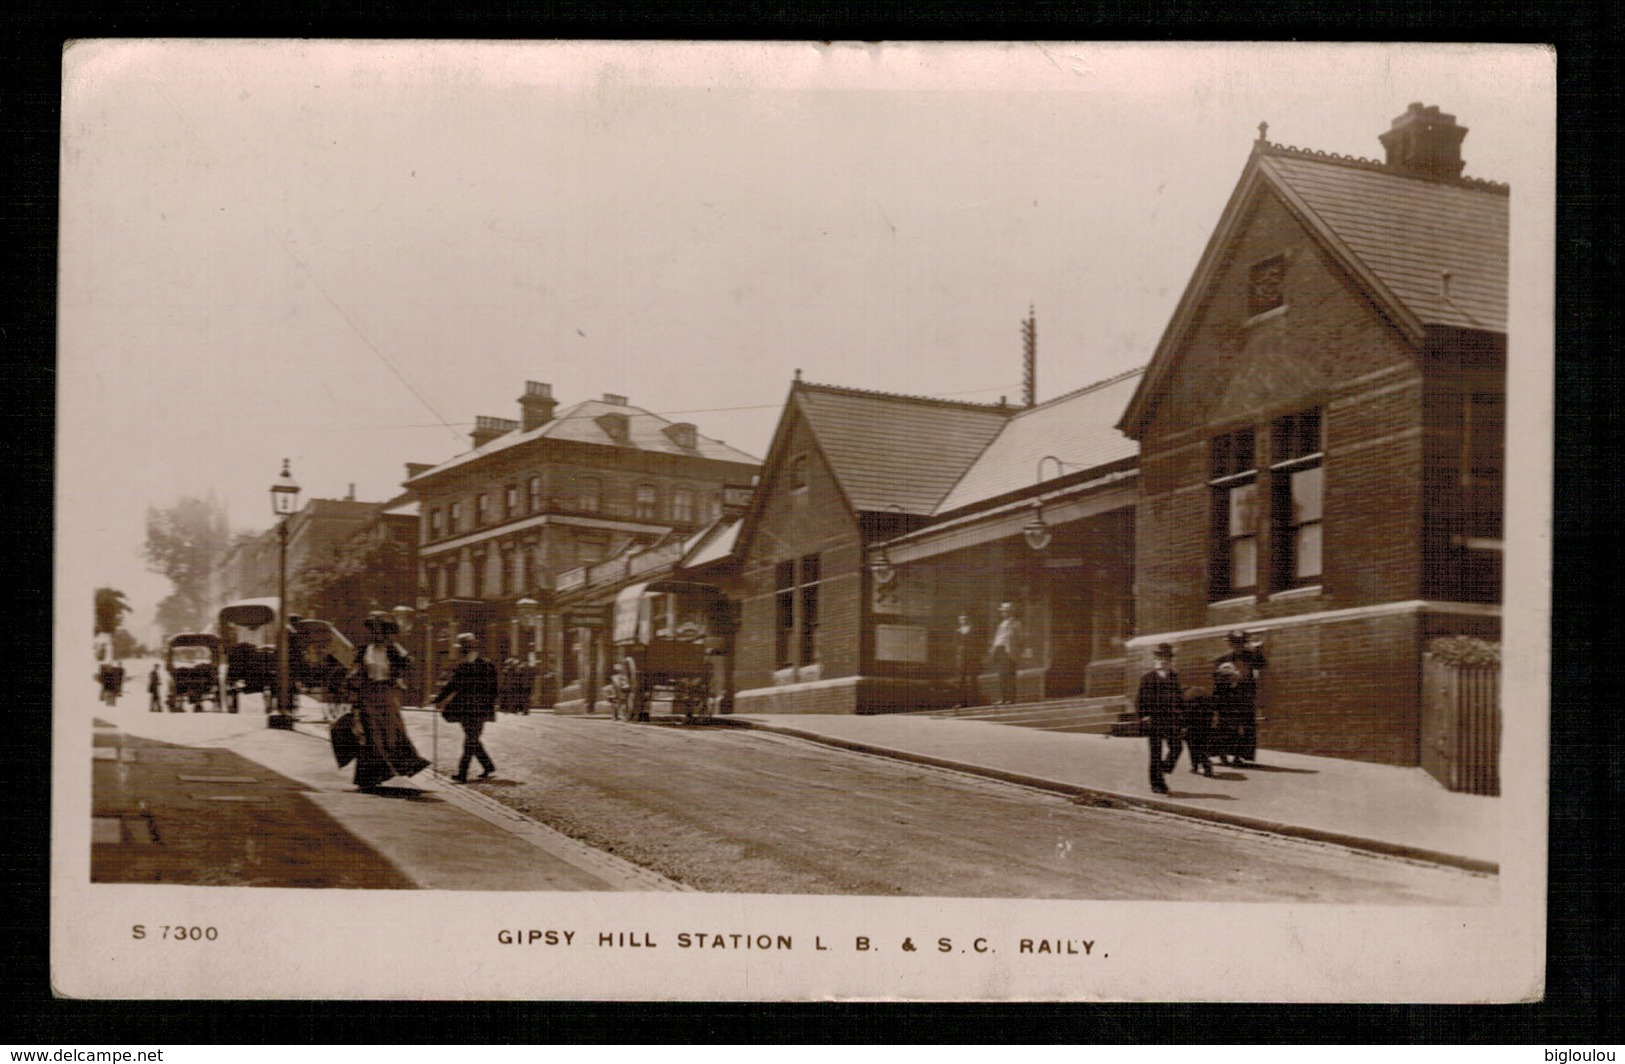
(730, 810)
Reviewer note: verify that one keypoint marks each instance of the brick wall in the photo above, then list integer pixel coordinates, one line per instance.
(1329, 348)
(1343, 687)
(793, 523)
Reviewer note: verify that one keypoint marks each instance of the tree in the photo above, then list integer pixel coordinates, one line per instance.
(365, 573)
(184, 543)
(111, 606)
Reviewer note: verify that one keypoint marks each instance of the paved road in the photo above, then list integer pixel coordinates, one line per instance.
(725, 809)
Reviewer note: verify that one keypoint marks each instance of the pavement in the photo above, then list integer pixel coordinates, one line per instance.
(1378, 808)
(231, 800)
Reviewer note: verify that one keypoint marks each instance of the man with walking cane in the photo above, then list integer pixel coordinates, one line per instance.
(472, 691)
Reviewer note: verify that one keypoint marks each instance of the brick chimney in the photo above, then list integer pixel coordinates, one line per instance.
(1423, 142)
(487, 429)
(536, 406)
(614, 400)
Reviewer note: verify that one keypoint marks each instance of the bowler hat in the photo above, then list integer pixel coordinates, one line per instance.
(466, 639)
(1237, 637)
(1163, 651)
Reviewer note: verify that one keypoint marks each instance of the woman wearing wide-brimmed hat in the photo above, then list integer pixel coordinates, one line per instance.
(381, 667)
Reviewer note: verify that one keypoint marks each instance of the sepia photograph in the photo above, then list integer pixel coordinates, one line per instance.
(797, 521)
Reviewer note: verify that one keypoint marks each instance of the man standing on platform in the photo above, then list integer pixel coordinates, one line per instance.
(1005, 652)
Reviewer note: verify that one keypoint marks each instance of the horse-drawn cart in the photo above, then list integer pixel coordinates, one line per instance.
(665, 634)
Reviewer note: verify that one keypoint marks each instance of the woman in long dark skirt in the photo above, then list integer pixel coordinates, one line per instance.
(381, 668)
(1230, 711)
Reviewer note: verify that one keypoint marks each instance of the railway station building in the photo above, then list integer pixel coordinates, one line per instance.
(1313, 453)
(1322, 435)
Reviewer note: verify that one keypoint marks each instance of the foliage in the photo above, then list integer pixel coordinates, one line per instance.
(1465, 650)
(364, 573)
(111, 606)
(184, 543)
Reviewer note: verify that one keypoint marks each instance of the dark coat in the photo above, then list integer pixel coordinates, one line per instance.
(472, 689)
(1247, 662)
(1160, 703)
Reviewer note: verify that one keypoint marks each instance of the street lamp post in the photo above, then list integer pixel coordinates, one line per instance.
(284, 503)
(529, 612)
(403, 618)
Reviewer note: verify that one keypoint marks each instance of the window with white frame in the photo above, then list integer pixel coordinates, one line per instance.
(1233, 481)
(682, 505)
(647, 502)
(1297, 509)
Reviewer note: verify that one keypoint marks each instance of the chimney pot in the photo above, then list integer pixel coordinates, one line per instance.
(614, 400)
(487, 428)
(1425, 142)
(536, 406)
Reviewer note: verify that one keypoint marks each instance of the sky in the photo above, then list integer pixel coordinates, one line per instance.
(342, 253)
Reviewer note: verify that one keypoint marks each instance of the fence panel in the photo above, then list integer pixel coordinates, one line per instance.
(1461, 725)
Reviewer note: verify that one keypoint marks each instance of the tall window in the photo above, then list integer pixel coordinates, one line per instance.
(795, 606)
(589, 494)
(482, 510)
(1233, 472)
(479, 576)
(647, 503)
(1482, 468)
(784, 609)
(451, 580)
(534, 494)
(456, 517)
(796, 478)
(436, 525)
(809, 609)
(1298, 486)
(521, 573)
(682, 506)
(510, 501)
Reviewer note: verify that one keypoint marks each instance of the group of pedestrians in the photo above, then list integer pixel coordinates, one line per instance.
(373, 734)
(1218, 724)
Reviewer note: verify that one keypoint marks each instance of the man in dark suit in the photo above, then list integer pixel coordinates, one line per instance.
(1246, 661)
(1161, 708)
(472, 690)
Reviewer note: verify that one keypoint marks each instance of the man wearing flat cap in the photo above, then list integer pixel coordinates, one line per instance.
(472, 691)
(1161, 706)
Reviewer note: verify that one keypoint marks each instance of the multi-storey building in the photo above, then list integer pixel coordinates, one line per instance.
(552, 491)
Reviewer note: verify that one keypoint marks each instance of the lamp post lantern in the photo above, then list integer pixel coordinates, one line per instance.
(284, 504)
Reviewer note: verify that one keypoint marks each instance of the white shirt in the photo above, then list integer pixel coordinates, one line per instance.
(376, 658)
